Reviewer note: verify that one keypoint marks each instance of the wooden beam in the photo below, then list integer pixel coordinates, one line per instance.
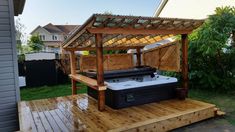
(184, 39)
(104, 48)
(100, 71)
(73, 71)
(134, 31)
(72, 62)
(138, 56)
(78, 32)
(87, 81)
(82, 40)
(74, 87)
(101, 100)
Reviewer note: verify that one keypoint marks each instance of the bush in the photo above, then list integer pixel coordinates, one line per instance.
(211, 58)
(35, 43)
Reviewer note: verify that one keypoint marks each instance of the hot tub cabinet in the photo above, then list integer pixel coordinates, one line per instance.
(136, 96)
(143, 86)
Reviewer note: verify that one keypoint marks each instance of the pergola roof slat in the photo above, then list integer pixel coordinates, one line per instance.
(127, 31)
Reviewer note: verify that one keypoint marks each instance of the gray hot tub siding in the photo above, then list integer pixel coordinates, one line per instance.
(9, 89)
(120, 96)
(137, 96)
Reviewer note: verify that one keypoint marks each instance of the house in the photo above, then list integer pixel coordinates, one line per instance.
(9, 87)
(53, 35)
(192, 9)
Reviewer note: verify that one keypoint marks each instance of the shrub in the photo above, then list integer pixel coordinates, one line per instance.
(211, 58)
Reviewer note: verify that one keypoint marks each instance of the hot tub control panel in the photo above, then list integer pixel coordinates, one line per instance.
(130, 98)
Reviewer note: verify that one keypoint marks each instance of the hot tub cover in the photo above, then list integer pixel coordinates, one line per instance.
(143, 70)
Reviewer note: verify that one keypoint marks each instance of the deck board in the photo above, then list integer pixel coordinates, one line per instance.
(42, 116)
(80, 113)
(49, 116)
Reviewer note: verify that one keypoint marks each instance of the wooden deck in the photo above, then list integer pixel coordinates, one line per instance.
(80, 113)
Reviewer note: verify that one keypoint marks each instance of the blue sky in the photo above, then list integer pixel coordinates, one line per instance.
(41, 12)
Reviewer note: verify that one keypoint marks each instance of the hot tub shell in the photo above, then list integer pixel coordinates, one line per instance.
(136, 89)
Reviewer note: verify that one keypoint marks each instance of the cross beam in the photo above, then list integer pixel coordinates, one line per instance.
(134, 31)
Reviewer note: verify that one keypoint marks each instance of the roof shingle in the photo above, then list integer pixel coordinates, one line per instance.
(63, 29)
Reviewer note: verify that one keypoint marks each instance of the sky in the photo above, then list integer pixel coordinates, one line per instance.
(42, 12)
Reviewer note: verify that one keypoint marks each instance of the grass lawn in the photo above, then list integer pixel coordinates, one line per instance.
(48, 91)
(226, 102)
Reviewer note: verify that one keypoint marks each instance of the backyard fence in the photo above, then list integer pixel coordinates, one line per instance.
(166, 57)
(42, 72)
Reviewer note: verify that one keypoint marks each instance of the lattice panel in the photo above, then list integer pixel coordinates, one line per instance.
(165, 57)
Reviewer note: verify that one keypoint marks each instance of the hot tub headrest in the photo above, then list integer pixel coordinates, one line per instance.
(143, 70)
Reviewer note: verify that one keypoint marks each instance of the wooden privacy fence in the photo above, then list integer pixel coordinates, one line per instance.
(165, 57)
(65, 63)
(110, 62)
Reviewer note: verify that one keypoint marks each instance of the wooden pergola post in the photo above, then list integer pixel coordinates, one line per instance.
(100, 71)
(73, 71)
(184, 39)
(138, 56)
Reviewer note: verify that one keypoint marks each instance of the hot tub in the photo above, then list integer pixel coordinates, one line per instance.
(137, 89)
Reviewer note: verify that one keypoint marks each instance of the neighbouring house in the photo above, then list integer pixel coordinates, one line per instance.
(192, 9)
(9, 86)
(53, 35)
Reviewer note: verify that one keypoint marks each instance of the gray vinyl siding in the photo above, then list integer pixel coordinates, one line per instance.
(6, 76)
(4, 21)
(9, 90)
(6, 64)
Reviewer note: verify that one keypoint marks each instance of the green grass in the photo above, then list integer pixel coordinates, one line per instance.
(48, 91)
(226, 102)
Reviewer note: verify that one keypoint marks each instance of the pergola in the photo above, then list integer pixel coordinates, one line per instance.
(114, 32)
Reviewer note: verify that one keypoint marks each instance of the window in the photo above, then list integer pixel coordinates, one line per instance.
(42, 37)
(54, 37)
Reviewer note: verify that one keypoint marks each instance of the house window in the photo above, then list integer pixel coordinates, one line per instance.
(54, 37)
(42, 37)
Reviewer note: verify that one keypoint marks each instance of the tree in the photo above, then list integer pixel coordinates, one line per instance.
(211, 57)
(20, 35)
(35, 43)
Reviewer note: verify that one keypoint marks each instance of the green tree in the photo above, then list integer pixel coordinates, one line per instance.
(211, 57)
(20, 35)
(35, 43)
